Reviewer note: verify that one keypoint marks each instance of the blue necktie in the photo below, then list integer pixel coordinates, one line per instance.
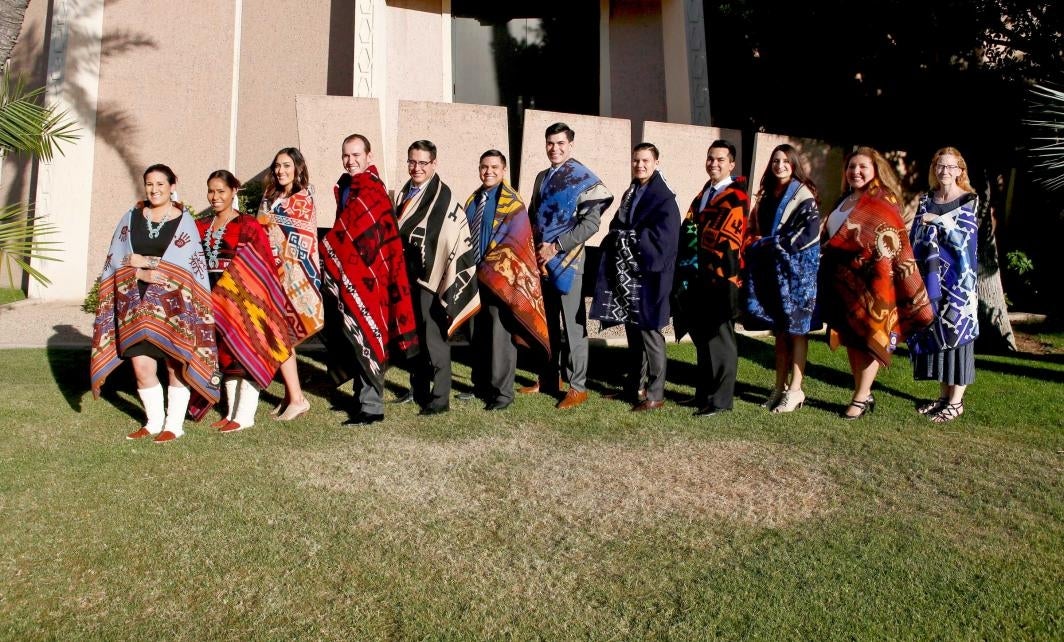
(411, 193)
(477, 224)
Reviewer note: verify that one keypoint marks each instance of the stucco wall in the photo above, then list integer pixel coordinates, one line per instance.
(284, 51)
(323, 123)
(418, 63)
(823, 163)
(683, 155)
(461, 134)
(164, 98)
(600, 143)
(637, 61)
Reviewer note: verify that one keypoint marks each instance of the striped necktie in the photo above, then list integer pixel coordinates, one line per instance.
(476, 224)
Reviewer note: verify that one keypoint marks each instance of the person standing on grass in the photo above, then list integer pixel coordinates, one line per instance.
(566, 207)
(944, 236)
(364, 285)
(442, 270)
(155, 303)
(635, 276)
(511, 295)
(248, 302)
(782, 257)
(708, 281)
(870, 289)
(287, 213)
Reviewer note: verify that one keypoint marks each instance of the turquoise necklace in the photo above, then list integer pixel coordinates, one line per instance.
(155, 230)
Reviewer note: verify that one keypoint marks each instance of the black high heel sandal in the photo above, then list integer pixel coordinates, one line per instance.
(948, 412)
(932, 407)
(866, 407)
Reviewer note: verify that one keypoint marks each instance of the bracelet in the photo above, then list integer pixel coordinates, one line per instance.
(153, 263)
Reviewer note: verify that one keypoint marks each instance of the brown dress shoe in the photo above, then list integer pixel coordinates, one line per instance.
(139, 434)
(648, 404)
(529, 390)
(572, 399)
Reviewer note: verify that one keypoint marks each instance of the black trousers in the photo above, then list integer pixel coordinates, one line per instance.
(718, 363)
(430, 375)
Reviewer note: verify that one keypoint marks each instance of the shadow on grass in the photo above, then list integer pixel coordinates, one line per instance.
(69, 363)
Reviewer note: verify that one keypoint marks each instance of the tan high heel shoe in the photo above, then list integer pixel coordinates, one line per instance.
(295, 410)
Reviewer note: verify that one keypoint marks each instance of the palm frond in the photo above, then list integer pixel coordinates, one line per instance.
(1045, 106)
(28, 126)
(21, 241)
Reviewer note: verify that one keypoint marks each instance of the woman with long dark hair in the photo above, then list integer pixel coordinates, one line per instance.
(247, 299)
(155, 305)
(287, 213)
(781, 263)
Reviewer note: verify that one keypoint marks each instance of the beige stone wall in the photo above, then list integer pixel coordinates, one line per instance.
(164, 98)
(461, 134)
(637, 60)
(823, 163)
(683, 155)
(284, 51)
(601, 143)
(323, 123)
(418, 62)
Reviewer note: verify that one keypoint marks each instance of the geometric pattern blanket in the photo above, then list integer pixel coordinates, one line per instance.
(618, 301)
(293, 231)
(872, 293)
(365, 284)
(175, 315)
(509, 269)
(945, 249)
(249, 306)
(781, 265)
(439, 250)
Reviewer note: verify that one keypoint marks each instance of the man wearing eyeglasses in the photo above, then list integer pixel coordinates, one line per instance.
(441, 265)
(566, 207)
(364, 284)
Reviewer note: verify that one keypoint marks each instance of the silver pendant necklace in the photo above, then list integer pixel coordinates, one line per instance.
(155, 230)
(214, 245)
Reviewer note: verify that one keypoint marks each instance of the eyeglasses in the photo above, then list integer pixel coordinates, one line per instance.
(949, 168)
(416, 163)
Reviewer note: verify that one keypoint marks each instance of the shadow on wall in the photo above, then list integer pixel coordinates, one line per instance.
(115, 126)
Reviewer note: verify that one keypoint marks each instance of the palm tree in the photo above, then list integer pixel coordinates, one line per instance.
(28, 126)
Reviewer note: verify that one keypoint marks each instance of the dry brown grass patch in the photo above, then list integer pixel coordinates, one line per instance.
(604, 486)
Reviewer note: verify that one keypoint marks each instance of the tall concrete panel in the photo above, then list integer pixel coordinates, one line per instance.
(323, 123)
(461, 134)
(823, 163)
(164, 97)
(284, 51)
(603, 144)
(683, 155)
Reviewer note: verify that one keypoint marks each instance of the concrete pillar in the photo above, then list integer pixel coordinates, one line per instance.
(686, 71)
(65, 185)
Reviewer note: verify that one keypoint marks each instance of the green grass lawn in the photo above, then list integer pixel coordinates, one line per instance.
(9, 295)
(532, 523)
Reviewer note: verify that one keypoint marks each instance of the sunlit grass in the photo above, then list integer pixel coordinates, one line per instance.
(532, 523)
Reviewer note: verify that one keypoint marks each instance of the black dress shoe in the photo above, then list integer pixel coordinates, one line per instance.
(498, 405)
(363, 419)
(407, 397)
(433, 410)
(710, 410)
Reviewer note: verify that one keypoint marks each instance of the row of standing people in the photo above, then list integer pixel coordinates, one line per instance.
(397, 279)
